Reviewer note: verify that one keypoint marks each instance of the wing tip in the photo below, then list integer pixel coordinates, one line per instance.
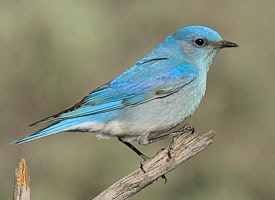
(15, 142)
(34, 123)
(23, 140)
(48, 119)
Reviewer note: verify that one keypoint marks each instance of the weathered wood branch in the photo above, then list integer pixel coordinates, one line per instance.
(21, 182)
(181, 149)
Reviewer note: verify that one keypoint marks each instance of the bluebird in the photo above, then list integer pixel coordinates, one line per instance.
(153, 96)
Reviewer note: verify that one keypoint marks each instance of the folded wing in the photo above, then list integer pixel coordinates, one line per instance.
(143, 82)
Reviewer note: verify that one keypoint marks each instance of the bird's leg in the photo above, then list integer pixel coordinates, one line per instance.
(183, 130)
(143, 157)
(186, 128)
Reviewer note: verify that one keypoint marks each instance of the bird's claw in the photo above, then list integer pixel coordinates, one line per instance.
(169, 153)
(164, 177)
(141, 167)
(144, 158)
(188, 128)
(192, 129)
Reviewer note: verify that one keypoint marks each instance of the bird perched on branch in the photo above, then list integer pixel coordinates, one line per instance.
(154, 95)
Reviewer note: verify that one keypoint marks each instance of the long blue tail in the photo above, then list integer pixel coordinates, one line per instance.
(50, 130)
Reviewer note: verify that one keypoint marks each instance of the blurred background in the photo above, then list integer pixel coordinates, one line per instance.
(55, 52)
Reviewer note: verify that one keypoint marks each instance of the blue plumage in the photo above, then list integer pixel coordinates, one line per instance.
(155, 94)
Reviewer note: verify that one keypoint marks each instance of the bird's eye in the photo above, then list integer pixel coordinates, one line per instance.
(200, 42)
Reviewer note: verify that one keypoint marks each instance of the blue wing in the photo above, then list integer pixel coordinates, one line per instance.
(148, 79)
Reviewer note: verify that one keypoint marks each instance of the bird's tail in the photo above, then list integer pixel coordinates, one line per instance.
(50, 130)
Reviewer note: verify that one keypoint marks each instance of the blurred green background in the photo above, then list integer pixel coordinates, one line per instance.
(55, 52)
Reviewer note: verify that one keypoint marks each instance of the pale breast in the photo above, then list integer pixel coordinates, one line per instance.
(159, 114)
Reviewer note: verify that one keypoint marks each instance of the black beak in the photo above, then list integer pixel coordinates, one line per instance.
(226, 44)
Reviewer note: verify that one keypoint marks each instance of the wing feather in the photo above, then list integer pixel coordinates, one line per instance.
(141, 83)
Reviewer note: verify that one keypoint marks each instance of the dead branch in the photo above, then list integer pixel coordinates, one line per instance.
(181, 149)
(21, 182)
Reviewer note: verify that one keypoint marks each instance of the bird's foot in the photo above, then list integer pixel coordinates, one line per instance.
(183, 130)
(164, 177)
(170, 151)
(187, 128)
(144, 159)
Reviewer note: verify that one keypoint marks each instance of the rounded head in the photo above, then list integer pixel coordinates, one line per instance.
(194, 33)
(199, 44)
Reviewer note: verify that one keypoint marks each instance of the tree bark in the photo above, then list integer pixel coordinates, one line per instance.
(181, 149)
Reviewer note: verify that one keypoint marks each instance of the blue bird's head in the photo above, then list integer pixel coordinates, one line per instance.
(197, 45)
